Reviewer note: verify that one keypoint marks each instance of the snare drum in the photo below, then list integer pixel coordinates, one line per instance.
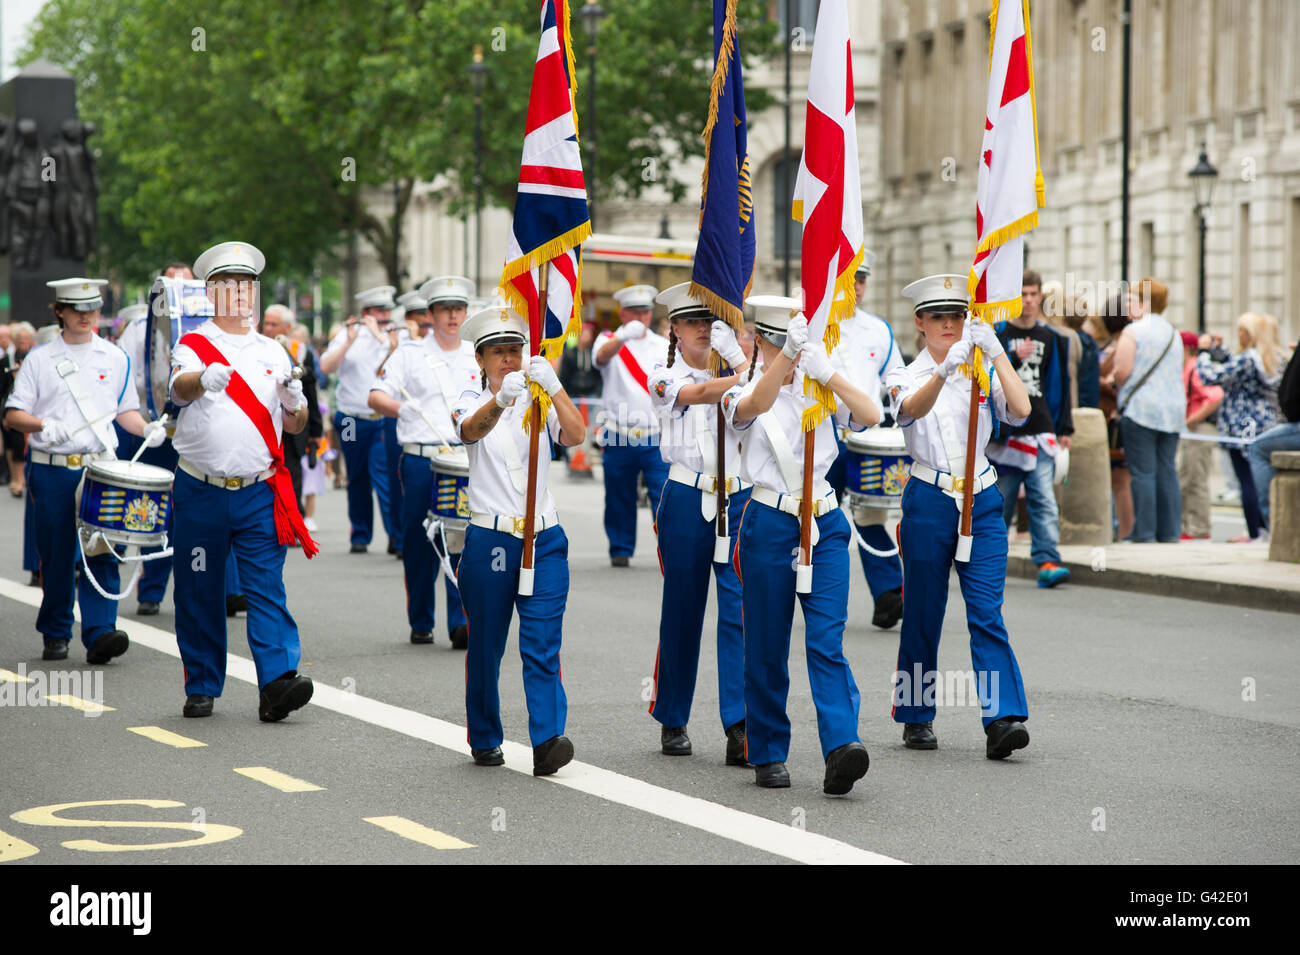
(449, 494)
(877, 468)
(125, 501)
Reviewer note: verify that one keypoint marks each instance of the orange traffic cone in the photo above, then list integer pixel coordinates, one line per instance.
(579, 466)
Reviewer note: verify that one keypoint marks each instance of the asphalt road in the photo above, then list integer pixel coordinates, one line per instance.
(1163, 731)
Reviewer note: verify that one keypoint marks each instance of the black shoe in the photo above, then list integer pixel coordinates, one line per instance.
(552, 755)
(736, 744)
(674, 741)
(618, 560)
(147, 609)
(35, 579)
(1003, 736)
(55, 650)
(489, 757)
(392, 548)
(281, 697)
(460, 638)
(422, 636)
(399, 555)
(357, 549)
(845, 766)
(112, 644)
(889, 609)
(196, 704)
(236, 603)
(919, 736)
(772, 776)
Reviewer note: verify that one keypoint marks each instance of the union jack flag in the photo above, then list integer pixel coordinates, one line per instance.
(551, 216)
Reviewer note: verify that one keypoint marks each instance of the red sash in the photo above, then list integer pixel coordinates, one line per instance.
(633, 368)
(288, 522)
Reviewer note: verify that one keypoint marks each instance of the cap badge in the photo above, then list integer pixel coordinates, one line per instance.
(947, 283)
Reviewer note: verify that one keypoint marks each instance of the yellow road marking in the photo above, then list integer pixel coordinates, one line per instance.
(160, 735)
(279, 780)
(13, 848)
(9, 676)
(418, 833)
(77, 703)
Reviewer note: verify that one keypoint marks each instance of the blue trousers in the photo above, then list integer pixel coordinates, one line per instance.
(686, 557)
(1157, 496)
(211, 524)
(31, 556)
(489, 577)
(883, 573)
(1040, 501)
(155, 573)
(1280, 437)
(233, 587)
(52, 492)
(622, 463)
(396, 511)
(769, 541)
(365, 454)
(419, 559)
(929, 544)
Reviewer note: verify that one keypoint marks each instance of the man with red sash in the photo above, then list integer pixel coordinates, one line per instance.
(232, 491)
(629, 430)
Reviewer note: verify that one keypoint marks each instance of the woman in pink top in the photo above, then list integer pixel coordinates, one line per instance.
(1196, 458)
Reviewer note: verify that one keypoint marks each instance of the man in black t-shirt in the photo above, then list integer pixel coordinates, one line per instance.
(1284, 436)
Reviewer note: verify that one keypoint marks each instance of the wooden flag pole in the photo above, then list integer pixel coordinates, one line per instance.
(530, 500)
(968, 484)
(722, 542)
(803, 572)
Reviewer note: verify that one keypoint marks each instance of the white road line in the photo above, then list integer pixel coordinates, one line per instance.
(745, 828)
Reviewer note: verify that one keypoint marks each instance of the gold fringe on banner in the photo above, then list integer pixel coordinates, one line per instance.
(823, 403)
(543, 401)
(718, 305)
(720, 68)
(573, 72)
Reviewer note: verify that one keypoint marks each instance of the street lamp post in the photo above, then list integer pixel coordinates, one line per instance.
(592, 14)
(478, 71)
(1203, 177)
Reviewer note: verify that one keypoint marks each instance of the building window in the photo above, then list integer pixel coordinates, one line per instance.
(787, 234)
(803, 16)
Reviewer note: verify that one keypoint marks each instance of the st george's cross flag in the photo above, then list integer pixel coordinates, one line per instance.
(1010, 189)
(551, 217)
(828, 194)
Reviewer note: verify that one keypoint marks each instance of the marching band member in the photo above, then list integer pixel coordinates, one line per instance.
(866, 353)
(418, 386)
(772, 458)
(630, 436)
(58, 398)
(232, 492)
(932, 400)
(685, 396)
(490, 423)
(355, 353)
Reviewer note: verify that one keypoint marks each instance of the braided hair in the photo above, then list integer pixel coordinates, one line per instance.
(753, 360)
(672, 347)
(483, 380)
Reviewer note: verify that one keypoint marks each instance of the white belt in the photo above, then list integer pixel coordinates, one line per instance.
(950, 484)
(508, 524)
(68, 460)
(429, 450)
(631, 432)
(790, 504)
(229, 483)
(707, 483)
(367, 416)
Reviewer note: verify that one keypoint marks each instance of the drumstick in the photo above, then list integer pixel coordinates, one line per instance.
(140, 450)
(436, 430)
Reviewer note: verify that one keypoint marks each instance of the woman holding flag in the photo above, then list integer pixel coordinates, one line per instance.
(684, 395)
(770, 536)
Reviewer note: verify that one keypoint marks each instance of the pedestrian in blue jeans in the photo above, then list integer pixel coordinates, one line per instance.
(1280, 437)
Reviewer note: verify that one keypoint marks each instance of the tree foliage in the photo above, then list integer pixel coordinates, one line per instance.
(276, 121)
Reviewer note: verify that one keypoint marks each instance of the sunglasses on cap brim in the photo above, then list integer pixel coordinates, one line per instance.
(776, 339)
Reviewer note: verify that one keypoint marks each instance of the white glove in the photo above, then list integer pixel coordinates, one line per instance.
(290, 394)
(722, 339)
(410, 410)
(512, 386)
(216, 377)
(155, 433)
(958, 355)
(630, 331)
(541, 372)
(815, 363)
(982, 335)
(54, 432)
(796, 336)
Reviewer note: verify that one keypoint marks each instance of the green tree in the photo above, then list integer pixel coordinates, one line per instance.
(278, 121)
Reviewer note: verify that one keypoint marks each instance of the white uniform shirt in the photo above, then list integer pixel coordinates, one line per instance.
(357, 373)
(758, 462)
(626, 403)
(491, 490)
(939, 439)
(131, 341)
(212, 432)
(866, 353)
(433, 377)
(683, 429)
(39, 390)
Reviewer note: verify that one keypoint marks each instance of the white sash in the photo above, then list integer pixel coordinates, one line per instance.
(71, 375)
(439, 367)
(785, 461)
(514, 461)
(708, 449)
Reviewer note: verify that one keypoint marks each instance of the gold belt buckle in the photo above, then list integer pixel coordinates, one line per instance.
(519, 524)
(714, 484)
(634, 432)
(233, 484)
(74, 460)
(959, 485)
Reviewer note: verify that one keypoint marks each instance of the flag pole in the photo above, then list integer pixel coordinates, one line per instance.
(964, 539)
(803, 572)
(722, 542)
(525, 588)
